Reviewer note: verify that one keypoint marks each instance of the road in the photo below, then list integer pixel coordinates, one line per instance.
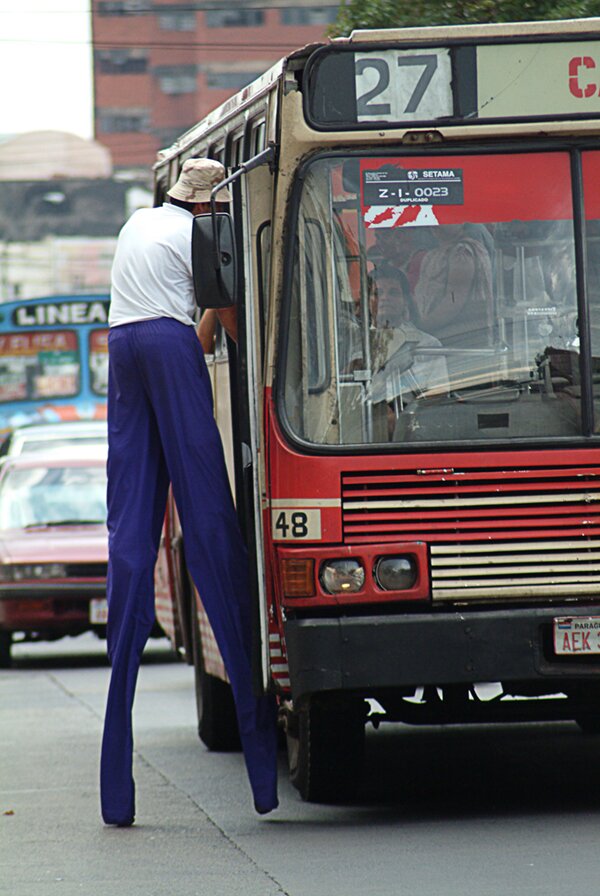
(482, 810)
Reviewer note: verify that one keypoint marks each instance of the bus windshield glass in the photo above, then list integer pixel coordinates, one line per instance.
(38, 364)
(434, 299)
(98, 361)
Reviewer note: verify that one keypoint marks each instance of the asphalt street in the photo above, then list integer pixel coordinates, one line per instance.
(479, 811)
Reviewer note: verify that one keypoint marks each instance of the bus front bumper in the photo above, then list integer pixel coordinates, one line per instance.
(365, 653)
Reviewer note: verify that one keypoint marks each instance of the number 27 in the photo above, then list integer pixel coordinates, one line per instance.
(364, 106)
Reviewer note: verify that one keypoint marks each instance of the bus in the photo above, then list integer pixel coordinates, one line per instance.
(53, 360)
(413, 407)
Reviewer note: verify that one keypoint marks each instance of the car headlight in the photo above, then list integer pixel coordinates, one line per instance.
(342, 576)
(396, 573)
(17, 572)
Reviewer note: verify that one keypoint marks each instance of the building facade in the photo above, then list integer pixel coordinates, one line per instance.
(58, 236)
(161, 65)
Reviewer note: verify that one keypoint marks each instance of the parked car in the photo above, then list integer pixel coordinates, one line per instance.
(40, 436)
(53, 545)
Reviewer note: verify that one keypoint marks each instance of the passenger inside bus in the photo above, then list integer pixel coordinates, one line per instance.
(452, 297)
(403, 248)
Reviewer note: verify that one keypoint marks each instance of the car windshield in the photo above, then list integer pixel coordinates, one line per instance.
(52, 495)
(27, 445)
(434, 299)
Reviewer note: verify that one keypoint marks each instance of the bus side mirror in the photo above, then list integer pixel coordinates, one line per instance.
(213, 260)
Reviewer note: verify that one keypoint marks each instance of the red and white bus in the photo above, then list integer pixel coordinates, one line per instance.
(412, 411)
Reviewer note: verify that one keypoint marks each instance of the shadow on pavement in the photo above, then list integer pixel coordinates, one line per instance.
(482, 769)
(82, 652)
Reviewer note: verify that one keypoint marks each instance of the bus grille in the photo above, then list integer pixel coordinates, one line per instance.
(535, 569)
(515, 533)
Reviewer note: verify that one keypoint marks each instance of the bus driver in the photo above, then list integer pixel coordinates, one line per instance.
(400, 371)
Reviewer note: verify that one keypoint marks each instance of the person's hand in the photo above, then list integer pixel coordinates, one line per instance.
(206, 331)
(228, 320)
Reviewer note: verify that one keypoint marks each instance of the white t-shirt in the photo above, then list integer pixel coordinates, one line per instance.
(152, 268)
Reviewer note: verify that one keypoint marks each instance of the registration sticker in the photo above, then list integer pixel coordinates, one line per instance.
(576, 635)
(98, 611)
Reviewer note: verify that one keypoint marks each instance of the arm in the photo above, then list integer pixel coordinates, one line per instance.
(228, 319)
(206, 331)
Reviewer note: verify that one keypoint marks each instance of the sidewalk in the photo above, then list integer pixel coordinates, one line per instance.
(52, 839)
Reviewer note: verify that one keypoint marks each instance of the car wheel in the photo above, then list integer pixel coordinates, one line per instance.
(5, 645)
(217, 720)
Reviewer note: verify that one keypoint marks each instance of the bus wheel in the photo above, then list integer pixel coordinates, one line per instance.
(326, 744)
(217, 721)
(589, 723)
(5, 645)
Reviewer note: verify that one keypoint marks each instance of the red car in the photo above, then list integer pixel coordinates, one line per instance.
(53, 546)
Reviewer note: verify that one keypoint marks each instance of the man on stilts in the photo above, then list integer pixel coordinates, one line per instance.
(161, 430)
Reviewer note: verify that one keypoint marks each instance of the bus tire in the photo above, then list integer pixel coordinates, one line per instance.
(5, 645)
(589, 723)
(326, 744)
(217, 720)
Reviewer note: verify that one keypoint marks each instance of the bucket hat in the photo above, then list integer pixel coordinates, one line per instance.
(197, 179)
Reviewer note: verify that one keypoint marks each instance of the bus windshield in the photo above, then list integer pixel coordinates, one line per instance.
(435, 299)
(39, 365)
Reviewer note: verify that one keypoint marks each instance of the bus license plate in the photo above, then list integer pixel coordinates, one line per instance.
(98, 611)
(576, 635)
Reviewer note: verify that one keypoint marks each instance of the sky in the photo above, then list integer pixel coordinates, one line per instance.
(45, 66)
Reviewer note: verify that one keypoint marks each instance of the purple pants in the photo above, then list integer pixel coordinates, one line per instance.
(161, 430)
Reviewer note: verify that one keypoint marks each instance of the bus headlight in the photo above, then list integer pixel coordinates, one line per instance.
(342, 576)
(396, 573)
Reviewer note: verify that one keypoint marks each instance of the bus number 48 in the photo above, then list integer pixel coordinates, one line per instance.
(290, 524)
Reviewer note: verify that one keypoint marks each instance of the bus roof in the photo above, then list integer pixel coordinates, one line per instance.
(431, 34)
(235, 103)
(461, 32)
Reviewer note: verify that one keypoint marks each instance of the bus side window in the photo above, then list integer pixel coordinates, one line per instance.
(235, 150)
(308, 350)
(160, 192)
(314, 298)
(220, 343)
(216, 152)
(258, 136)
(263, 254)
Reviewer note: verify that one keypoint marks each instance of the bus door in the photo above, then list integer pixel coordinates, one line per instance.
(252, 209)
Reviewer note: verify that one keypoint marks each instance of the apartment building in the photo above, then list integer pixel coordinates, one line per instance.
(161, 65)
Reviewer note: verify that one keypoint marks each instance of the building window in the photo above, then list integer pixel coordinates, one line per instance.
(123, 7)
(177, 20)
(176, 79)
(121, 62)
(120, 121)
(230, 80)
(308, 15)
(234, 18)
